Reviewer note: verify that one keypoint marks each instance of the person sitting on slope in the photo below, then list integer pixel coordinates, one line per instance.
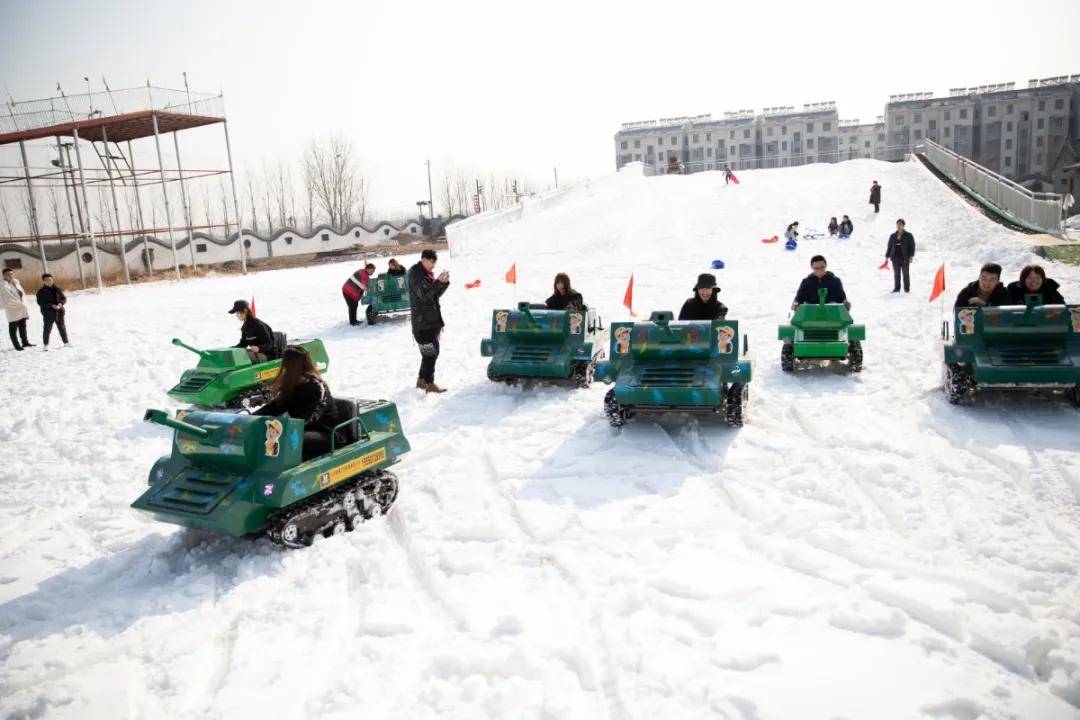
(834, 227)
(792, 232)
(565, 296)
(816, 280)
(704, 304)
(846, 227)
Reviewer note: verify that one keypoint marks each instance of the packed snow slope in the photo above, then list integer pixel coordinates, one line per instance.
(860, 549)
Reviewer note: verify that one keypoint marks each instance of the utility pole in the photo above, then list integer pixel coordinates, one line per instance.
(431, 197)
(556, 178)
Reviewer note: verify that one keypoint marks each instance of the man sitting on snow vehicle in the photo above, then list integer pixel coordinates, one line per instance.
(565, 296)
(987, 291)
(704, 305)
(255, 336)
(820, 278)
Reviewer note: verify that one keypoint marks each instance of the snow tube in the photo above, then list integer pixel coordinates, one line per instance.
(773, 239)
(473, 284)
(718, 264)
(791, 245)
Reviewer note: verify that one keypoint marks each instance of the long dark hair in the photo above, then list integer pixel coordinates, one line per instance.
(1028, 269)
(566, 281)
(296, 366)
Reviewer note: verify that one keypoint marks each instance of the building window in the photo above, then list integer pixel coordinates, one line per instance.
(1038, 159)
(637, 143)
(1039, 141)
(637, 156)
(991, 111)
(694, 139)
(87, 257)
(1024, 116)
(918, 134)
(948, 131)
(201, 247)
(1008, 161)
(1042, 105)
(866, 144)
(708, 152)
(810, 143)
(783, 145)
(1059, 104)
(899, 120)
(660, 141)
(1008, 143)
(963, 113)
(917, 119)
(948, 115)
(288, 239)
(783, 129)
(931, 124)
(623, 145)
(745, 134)
(1008, 126)
(731, 135)
(881, 137)
(247, 243)
(649, 150)
(809, 127)
(1040, 123)
(1009, 109)
(674, 140)
(826, 127)
(386, 231)
(326, 237)
(768, 131)
(12, 263)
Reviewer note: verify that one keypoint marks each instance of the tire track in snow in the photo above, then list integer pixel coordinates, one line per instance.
(422, 573)
(614, 705)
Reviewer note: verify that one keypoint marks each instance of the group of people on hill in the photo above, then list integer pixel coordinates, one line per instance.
(51, 301)
(843, 229)
(359, 282)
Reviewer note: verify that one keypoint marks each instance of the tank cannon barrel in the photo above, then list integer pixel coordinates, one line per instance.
(160, 417)
(180, 343)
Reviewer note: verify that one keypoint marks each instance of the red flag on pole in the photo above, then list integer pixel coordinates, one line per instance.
(884, 265)
(628, 298)
(252, 306)
(939, 283)
(511, 274)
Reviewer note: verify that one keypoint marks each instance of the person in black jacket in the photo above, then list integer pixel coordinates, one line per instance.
(846, 227)
(820, 278)
(986, 291)
(875, 195)
(704, 305)
(51, 300)
(255, 335)
(834, 227)
(395, 268)
(427, 321)
(900, 249)
(565, 296)
(1033, 281)
(299, 393)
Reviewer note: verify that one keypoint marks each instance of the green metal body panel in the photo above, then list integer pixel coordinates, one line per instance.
(534, 343)
(821, 330)
(246, 467)
(1017, 345)
(387, 294)
(224, 373)
(663, 364)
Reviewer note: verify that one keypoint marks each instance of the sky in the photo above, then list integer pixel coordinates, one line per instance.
(513, 88)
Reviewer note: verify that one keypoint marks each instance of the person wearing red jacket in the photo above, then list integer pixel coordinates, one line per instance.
(354, 289)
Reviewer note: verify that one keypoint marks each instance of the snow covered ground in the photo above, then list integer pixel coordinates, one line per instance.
(860, 549)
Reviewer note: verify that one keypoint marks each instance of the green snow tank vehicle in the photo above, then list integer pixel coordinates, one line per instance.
(662, 366)
(386, 294)
(824, 331)
(226, 377)
(1012, 346)
(243, 475)
(536, 343)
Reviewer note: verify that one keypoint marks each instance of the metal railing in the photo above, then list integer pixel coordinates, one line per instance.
(35, 114)
(773, 160)
(1031, 210)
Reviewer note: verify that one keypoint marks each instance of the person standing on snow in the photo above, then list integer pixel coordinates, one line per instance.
(901, 251)
(11, 292)
(354, 289)
(426, 314)
(704, 305)
(728, 175)
(875, 195)
(51, 300)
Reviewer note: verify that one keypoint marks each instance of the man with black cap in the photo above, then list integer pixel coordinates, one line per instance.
(255, 335)
(426, 313)
(704, 305)
(816, 280)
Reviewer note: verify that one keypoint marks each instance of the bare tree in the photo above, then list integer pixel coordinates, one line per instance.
(5, 216)
(332, 177)
(254, 207)
(55, 210)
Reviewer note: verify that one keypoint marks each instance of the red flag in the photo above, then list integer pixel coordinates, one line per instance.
(773, 239)
(473, 284)
(511, 274)
(252, 306)
(939, 283)
(734, 179)
(628, 298)
(884, 265)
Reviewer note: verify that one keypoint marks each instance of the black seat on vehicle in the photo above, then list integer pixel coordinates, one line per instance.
(280, 341)
(346, 410)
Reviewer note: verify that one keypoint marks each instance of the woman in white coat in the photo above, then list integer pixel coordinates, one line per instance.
(11, 292)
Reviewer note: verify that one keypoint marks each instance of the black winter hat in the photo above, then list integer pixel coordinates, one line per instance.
(239, 305)
(706, 280)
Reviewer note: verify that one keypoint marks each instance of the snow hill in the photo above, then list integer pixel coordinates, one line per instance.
(860, 549)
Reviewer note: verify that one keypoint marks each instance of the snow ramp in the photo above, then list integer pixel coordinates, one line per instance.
(858, 549)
